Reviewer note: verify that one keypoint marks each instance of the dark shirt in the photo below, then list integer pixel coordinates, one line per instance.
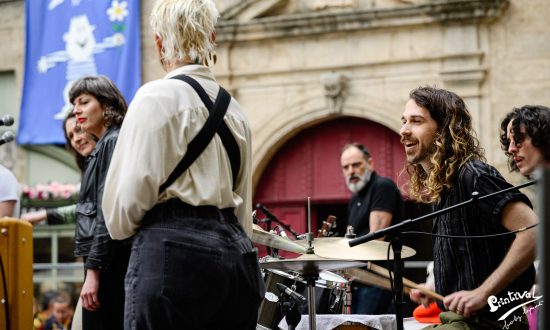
(463, 264)
(379, 194)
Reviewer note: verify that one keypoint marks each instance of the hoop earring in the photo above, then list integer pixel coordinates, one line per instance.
(108, 116)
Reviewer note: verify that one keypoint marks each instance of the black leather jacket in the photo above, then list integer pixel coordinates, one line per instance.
(92, 239)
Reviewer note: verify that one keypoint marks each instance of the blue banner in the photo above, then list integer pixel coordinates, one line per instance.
(69, 39)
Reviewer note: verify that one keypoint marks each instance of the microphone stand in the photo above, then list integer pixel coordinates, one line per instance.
(271, 216)
(290, 311)
(395, 233)
(397, 246)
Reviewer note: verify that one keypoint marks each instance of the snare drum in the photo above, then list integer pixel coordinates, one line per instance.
(329, 297)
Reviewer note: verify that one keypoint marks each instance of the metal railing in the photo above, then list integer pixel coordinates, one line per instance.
(56, 272)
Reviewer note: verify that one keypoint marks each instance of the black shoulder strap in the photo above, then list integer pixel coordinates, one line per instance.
(213, 124)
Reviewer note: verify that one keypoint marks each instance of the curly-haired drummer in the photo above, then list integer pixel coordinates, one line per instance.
(446, 165)
(525, 138)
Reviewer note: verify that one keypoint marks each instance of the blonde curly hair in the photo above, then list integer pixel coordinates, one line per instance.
(454, 144)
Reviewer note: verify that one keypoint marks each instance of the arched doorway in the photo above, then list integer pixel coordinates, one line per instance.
(309, 166)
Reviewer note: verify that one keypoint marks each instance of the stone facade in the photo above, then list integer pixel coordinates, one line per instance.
(295, 63)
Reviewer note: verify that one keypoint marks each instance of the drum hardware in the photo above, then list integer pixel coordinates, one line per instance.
(289, 308)
(291, 293)
(272, 307)
(330, 288)
(319, 256)
(349, 232)
(310, 266)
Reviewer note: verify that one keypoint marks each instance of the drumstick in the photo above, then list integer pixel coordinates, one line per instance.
(369, 278)
(406, 282)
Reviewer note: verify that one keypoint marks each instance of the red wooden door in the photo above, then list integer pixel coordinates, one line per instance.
(309, 166)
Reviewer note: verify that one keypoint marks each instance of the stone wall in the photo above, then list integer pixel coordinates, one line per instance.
(292, 70)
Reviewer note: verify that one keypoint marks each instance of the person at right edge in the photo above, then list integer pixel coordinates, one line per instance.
(525, 139)
(446, 165)
(375, 204)
(192, 264)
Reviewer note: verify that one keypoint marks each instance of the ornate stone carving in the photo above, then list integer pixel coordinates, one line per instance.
(335, 90)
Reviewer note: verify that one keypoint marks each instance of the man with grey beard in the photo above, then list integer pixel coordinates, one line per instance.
(375, 204)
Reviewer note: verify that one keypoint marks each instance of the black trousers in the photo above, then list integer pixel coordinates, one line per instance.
(111, 292)
(192, 268)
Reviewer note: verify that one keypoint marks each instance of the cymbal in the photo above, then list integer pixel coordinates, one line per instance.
(310, 264)
(331, 277)
(338, 248)
(327, 279)
(263, 237)
(290, 276)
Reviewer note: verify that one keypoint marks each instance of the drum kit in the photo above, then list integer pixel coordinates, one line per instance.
(325, 266)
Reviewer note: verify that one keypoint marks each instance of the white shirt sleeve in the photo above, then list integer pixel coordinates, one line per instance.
(9, 189)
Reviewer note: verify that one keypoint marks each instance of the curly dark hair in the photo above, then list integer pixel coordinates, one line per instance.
(108, 95)
(536, 121)
(454, 144)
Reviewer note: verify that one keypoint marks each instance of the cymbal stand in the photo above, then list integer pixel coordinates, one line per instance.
(309, 234)
(310, 281)
(310, 278)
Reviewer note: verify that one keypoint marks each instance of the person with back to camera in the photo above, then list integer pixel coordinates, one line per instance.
(99, 108)
(446, 165)
(192, 264)
(375, 204)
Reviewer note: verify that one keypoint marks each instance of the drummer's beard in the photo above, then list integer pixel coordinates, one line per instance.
(354, 187)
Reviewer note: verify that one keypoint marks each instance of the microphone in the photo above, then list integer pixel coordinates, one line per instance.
(265, 210)
(6, 120)
(279, 230)
(271, 216)
(293, 294)
(7, 137)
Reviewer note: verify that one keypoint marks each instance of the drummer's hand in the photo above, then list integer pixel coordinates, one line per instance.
(419, 298)
(465, 303)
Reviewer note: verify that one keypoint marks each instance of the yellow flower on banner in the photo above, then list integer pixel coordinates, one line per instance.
(118, 11)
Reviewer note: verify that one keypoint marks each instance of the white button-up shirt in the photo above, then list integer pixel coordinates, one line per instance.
(165, 115)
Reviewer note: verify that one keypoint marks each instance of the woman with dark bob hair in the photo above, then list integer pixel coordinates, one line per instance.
(99, 108)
